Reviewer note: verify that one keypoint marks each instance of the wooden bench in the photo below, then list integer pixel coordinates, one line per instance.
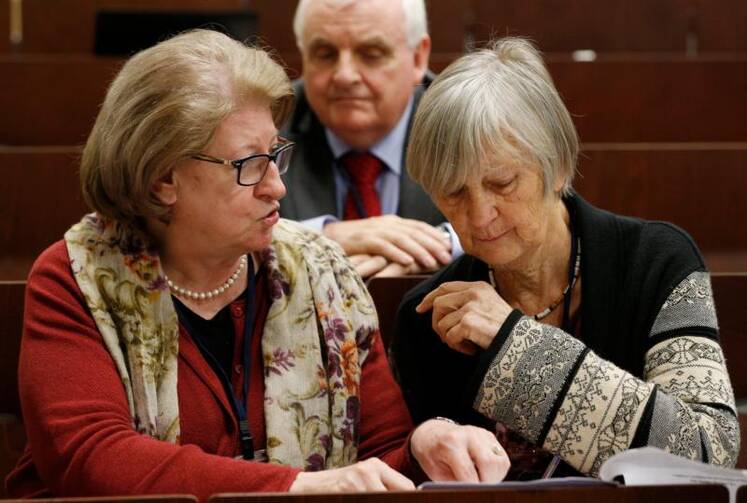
(12, 434)
(52, 100)
(145, 498)
(68, 26)
(41, 199)
(608, 494)
(684, 26)
(696, 186)
(646, 100)
(655, 99)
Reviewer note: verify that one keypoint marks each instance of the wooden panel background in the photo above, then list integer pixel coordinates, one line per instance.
(41, 199)
(54, 100)
(608, 26)
(699, 187)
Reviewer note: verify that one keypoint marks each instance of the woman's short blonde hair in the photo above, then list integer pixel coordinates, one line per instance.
(496, 101)
(164, 106)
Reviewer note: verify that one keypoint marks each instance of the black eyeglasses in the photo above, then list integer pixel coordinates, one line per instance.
(251, 170)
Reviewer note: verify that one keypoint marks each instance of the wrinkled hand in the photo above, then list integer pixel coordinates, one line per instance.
(466, 314)
(368, 266)
(369, 475)
(400, 240)
(449, 451)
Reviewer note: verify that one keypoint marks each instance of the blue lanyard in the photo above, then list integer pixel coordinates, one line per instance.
(238, 403)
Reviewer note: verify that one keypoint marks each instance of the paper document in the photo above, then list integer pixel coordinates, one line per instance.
(652, 466)
(511, 484)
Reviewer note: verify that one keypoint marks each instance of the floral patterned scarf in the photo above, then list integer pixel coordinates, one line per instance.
(318, 332)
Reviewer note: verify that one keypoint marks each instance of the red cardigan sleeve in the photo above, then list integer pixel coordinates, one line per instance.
(77, 417)
(386, 425)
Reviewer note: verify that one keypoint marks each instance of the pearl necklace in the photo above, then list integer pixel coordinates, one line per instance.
(184, 292)
(549, 309)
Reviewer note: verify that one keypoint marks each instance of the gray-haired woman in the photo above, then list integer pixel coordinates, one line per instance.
(582, 332)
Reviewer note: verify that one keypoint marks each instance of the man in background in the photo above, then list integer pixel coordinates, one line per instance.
(365, 66)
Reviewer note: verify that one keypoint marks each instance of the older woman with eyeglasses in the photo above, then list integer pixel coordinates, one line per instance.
(575, 332)
(183, 338)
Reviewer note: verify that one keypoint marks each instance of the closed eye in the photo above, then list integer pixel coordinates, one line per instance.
(455, 194)
(321, 52)
(501, 185)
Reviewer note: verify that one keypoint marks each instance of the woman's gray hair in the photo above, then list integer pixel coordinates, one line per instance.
(497, 100)
(163, 107)
(416, 21)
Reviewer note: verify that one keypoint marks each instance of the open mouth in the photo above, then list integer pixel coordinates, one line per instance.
(272, 215)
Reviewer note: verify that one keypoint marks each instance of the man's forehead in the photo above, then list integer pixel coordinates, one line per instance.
(359, 20)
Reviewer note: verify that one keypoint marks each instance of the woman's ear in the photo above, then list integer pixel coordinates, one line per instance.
(164, 190)
(560, 182)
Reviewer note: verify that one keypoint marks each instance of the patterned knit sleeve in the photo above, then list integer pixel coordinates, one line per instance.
(557, 393)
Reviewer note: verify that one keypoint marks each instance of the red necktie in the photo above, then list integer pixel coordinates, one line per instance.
(363, 169)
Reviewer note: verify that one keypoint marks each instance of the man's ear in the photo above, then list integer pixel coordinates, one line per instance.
(164, 190)
(421, 55)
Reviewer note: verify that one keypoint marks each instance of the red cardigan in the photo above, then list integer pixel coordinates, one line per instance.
(80, 438)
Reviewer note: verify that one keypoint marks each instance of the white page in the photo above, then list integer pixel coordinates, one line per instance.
(652, 466)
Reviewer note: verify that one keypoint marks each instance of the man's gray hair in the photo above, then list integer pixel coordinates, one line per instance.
(498, 100)
(416, 21)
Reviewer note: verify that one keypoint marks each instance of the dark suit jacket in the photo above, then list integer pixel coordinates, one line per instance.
(310, 179)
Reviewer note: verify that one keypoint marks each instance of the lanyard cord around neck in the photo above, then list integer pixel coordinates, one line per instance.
(574, 269)
(238, 403)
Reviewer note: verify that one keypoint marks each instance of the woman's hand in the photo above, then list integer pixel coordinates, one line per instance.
(466, 314)
(369, 475)
(448, 451)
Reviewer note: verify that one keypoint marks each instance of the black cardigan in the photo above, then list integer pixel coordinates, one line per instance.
(629, 268)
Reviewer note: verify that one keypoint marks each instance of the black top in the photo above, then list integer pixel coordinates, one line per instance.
(216, 335)
(629, 267)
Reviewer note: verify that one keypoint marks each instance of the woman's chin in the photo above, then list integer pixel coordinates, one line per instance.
(496, 256)
(257, 243)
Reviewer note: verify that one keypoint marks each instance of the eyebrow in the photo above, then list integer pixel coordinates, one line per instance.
(375, 40)
(251, 146)
(317, 42)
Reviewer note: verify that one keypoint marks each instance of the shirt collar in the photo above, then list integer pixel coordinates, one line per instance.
(389, 149)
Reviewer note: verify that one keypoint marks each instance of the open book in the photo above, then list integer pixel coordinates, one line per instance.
(652, 466)
(529, 484)
(634, 467)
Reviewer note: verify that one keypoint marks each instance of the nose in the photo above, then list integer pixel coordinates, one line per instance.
(346, 71)
(480, 211)
(271, 186)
